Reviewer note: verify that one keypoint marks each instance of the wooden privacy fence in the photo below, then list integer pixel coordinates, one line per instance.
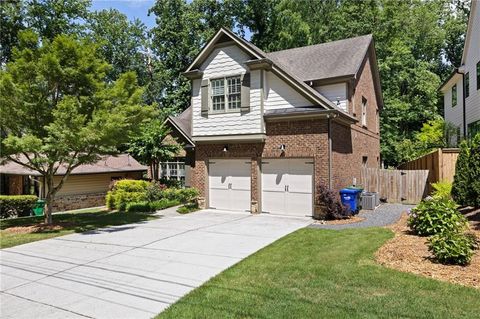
(440, 164)
(397, 186)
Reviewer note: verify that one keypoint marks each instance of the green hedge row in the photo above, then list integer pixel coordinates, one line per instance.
(16, 205)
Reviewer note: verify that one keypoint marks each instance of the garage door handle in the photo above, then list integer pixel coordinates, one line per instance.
(286, 188)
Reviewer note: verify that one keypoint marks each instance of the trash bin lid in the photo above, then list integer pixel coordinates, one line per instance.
(348, 191)
(40, 201)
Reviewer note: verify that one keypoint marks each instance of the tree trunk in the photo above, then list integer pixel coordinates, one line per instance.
(155, 171)
(48, 209)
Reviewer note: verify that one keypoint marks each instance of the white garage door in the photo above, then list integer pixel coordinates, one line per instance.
(287, 186)
(229, 183)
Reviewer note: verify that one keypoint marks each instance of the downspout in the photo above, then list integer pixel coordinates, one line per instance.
(329, 152)
(464, 107)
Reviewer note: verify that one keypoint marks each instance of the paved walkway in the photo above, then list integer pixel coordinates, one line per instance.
(385, 214)
(130, 271)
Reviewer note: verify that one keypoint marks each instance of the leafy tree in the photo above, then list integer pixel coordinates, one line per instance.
(122, 43)
(48, 18)
(57, 110)
(151, 148)
(466, 183)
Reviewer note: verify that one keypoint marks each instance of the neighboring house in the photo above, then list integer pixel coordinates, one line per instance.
(266, 129)
(85, 187)
(462, 89)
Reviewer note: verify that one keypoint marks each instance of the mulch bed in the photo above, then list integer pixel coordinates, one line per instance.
(408, 252)
(351, 220)
(38, 228)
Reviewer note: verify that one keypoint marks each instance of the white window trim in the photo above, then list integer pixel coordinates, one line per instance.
(225, 93)
(180, 172)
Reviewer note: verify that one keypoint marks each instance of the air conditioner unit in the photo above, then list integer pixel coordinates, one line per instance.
(369, 200)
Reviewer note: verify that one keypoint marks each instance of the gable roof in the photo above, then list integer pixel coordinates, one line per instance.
(326, 60)
(183, 124)
(106, 164)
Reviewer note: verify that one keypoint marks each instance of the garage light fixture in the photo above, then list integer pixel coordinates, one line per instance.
(225, 148)
(282, 147)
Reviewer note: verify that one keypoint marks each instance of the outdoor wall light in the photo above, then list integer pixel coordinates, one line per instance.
(225, 148)
(282, 147)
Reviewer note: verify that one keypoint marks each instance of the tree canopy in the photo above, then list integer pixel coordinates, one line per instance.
(57, 110)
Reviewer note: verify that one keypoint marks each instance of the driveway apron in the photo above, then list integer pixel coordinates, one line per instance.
(130, 271)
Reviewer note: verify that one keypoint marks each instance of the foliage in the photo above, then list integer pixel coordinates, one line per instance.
(435, 216)
(155, 191)
(453, 247)
(171, 183)
(442, 189)
(69, 115)
(433, 135)
(16, 205)
(48, 18)
(188, 208)
(183, 195)
(147, 206)
(333, 205)
(466, 182)
(131, 185)
(150, 146)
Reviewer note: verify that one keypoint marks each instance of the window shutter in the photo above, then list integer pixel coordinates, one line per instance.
(245, 96)
(205, 98)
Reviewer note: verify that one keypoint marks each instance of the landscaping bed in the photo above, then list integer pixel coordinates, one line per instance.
(350, 220)
(408, 252)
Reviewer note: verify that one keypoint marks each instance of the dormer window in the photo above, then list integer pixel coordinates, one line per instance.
(227, 90)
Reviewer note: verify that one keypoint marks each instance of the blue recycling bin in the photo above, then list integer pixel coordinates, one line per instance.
(350, 197)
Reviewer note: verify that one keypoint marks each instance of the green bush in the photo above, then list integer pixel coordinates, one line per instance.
(131, 185)
(16, 205)
(187, 208)
(155, 191)
(453, 247)
(466, 184)
(442, 189)
(139, 207)
(187, 195)
(164, 203)
(110, 200)
(436, 215)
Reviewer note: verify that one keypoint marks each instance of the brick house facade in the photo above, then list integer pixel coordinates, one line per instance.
(328, 119)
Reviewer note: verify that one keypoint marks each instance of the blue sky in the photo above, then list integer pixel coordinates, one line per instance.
(131, 8)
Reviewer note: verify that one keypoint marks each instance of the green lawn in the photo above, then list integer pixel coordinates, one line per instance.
(324, 274)
(74, 221)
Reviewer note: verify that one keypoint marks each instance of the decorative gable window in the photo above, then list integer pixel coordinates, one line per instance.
(226, 91)
(478, 75)
(364, 111)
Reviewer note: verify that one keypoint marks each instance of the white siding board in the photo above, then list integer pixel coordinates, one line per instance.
(226, 61)
(281, 95)
(454, 114)
(471, 59)
(334, 92)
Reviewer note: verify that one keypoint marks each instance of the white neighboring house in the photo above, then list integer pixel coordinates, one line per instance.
(462, 89)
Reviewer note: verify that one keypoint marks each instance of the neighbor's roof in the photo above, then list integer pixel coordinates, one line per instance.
(107, 164)
(326, 60)
(183, 123)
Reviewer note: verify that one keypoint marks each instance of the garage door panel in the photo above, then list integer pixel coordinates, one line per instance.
(287, 186)
(229, 186)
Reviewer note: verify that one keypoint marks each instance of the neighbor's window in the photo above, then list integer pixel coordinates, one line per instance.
(467, 84)
(478, 75)
(226, 89)
(364, 111)
(454, 95)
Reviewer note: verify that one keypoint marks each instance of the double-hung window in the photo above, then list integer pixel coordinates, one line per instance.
(454, 95)
(467, 84)
(364, 111)
(478, 75)
(226, 94)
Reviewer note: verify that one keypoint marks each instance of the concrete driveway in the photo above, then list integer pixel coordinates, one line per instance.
(130, 271)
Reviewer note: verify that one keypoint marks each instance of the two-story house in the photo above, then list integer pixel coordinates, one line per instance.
(264, 130)
(461, 91)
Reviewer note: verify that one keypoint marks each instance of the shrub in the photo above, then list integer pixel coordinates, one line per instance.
(16, 205)
(442, 189)
(110, 200)
(171, 183)
(466, 183)
(131, 185)
(155, 191)
(187, 208)
(139, 207)
(436, 215)
(452, 247)
(187, 195)
(334, 207)
(164, 203)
